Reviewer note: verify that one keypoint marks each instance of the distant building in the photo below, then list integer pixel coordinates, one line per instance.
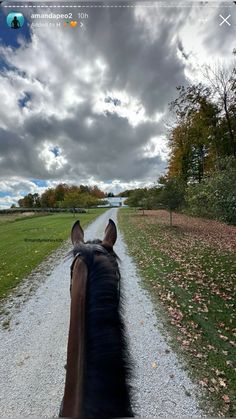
(116, 201)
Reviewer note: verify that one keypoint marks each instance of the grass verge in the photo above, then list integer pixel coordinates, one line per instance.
(195, 283)
(26, 241)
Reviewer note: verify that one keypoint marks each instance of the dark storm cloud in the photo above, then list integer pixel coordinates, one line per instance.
(148, 67)
(109, 148)
(140, 56)
(19, 156)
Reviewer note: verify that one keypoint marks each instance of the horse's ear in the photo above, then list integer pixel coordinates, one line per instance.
(77, 234)
(110, 234)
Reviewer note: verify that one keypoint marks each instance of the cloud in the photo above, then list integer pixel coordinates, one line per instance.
(88, 105)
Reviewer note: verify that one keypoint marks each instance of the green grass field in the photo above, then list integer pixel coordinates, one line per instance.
(190, 271)
(26, 241)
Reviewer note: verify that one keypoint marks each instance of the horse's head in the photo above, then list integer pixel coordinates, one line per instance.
(85, 253)
(77, 235)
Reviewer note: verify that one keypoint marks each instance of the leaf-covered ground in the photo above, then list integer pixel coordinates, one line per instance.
(191, 269)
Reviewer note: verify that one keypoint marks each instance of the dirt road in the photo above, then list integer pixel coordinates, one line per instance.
(33, 349)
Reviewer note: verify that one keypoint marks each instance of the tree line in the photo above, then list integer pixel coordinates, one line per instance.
(64, 196)
(201, 172)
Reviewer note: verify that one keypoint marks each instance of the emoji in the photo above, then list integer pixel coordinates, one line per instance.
(73, 23)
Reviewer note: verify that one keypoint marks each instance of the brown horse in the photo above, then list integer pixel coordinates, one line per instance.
(98, 364)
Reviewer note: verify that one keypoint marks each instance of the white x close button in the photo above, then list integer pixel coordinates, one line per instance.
(224, 20)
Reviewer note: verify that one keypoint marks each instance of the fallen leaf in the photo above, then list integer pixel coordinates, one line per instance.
(222, 383)
(226, 398)
(224, 337)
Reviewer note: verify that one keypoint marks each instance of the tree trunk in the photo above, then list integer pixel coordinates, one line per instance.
(170, 211)
(229, 126)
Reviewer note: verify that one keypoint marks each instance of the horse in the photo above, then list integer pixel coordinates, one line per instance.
(99, 367)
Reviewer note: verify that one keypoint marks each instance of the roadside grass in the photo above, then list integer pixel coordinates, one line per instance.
(10, 218)
(196, 285)
(26, 241)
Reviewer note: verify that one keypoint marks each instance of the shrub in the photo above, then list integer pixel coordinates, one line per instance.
(215, 197)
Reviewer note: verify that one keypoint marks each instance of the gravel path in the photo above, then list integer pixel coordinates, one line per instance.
(33, 349)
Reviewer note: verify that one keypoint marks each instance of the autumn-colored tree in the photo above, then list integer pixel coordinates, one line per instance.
(193, 141)
(48, 199)
(96, 192)
(60, 192)
(30, 201)
(180, 156)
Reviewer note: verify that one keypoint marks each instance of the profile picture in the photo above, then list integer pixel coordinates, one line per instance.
(15, 20)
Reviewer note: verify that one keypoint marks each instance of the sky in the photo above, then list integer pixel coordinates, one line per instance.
(91, 105)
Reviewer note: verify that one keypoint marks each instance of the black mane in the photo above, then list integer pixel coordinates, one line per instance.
(107, 365)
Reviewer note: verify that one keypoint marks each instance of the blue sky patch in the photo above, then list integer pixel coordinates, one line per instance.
(4, 194)
(26, 97)
(56, 151)
(39, 182)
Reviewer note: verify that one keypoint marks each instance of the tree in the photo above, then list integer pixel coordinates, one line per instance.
(84, 189)
(125, 193)
(96, 192)
(48, 198)
(136, 198)
(193, 141)
(223, 83)
(74, 200)
(30, 201)
(215, 197)
(171, 194)
(91, 201)
(181, 154)
(60, 192)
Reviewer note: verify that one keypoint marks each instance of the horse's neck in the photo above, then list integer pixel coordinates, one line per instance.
(105, 388)
(72, 403)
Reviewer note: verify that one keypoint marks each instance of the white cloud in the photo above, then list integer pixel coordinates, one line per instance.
(51, 161)
(157, 146)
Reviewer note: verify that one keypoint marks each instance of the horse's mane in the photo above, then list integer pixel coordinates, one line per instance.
(107, 365)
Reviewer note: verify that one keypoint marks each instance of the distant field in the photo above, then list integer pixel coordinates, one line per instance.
(18, 216)
(20, 253)
(191, 271)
